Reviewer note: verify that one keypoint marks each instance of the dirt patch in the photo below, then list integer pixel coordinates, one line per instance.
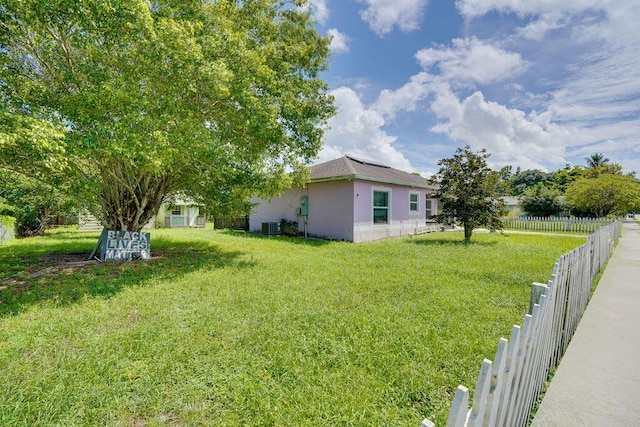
(50, 264)
(12, 282)
(60, 263)
(65, 262)
(59, 259)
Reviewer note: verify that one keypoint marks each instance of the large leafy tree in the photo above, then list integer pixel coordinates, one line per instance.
(523, 180)
(215, 100)
(561, 178)
(542, 200)
(607, 194)
(467, 191)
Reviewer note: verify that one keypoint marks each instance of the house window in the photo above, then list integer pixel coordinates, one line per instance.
(431, 208)
(380, 207)
(413, 202)
(177, 210)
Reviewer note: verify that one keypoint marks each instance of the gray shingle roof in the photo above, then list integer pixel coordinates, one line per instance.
(345, 168)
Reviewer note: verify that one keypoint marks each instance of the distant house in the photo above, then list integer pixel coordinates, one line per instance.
(512, 206)
(353, 200)
(177, 213)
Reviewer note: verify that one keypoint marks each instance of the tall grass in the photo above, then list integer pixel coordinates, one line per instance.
(227, 328)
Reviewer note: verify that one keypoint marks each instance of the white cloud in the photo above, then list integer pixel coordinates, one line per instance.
(538, 29)
(320, 10)
(339, 41)
(475, 8)
(510, 135)
(391, 102)
(472, 60)
(357, 130)
(469, 60)
(383, 15)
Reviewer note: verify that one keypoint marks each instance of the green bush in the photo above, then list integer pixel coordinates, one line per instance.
(289, 228)
(540, 200)
(33, 203)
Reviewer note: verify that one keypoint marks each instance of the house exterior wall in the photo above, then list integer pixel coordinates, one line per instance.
(276, 209)
(343, 210)
(401, 220)
(192, 215)
(330, 210)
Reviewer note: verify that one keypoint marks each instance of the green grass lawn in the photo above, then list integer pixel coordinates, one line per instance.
(230, 329)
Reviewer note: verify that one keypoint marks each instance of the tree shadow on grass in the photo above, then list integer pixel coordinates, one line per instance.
(449, 241)
(61, 273)
(310, 241)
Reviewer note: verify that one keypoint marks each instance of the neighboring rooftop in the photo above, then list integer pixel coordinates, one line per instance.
(346, 168)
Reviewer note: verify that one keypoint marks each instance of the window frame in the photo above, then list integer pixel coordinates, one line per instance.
(416, 202)
(430, 207)
(375, 208)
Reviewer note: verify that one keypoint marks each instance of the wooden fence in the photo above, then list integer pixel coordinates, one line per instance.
(508, 387)
(571, 224)
(7, 228)
(235, 223)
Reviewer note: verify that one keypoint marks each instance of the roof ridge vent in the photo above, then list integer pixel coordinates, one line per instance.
(367, 162)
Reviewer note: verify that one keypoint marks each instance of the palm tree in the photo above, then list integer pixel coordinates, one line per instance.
(595, 160)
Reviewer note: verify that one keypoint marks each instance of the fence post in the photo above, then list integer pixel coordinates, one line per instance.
(478, 409)
(459, 408)
(537, 289)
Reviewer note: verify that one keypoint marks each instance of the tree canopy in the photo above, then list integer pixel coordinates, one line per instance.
(131, 101)
(607, 194)
(541, 200)
(468, 191)
(522, 180)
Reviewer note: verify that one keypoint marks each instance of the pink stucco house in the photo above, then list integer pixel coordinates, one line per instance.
(353, 200)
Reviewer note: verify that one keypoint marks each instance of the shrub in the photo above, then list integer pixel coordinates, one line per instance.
(33, 203)
(540, 200)
(289, 228)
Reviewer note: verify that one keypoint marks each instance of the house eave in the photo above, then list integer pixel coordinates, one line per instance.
(333, 178)
(372, 179)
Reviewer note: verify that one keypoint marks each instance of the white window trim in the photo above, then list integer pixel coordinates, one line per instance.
(433, 208)
(389, 203)
(417, 194)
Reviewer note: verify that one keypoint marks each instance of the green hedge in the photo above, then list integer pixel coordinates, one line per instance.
(7, 228)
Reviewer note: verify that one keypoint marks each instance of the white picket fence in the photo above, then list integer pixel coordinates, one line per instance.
(551, 224)
(508, 387)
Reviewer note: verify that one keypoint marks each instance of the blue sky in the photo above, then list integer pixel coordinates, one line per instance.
(538, 83)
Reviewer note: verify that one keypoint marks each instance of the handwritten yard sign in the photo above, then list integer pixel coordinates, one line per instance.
(124, 245)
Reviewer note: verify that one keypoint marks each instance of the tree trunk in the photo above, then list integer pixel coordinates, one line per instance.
(131, 200)
(468, 231)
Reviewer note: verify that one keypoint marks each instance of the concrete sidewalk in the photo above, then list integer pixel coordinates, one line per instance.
(598, 380)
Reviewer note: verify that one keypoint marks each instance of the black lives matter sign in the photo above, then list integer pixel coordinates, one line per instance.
(125, 245)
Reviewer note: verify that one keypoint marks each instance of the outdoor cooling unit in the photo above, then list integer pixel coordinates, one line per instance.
(270, 228)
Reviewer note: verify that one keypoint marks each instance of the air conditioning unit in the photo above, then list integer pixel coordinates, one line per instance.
(270, 228)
